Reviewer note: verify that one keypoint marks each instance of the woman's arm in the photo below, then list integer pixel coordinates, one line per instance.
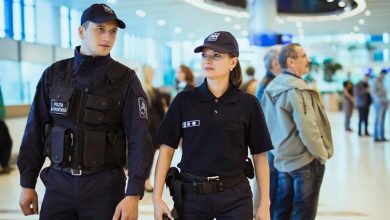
(163, 163)
(262, 177)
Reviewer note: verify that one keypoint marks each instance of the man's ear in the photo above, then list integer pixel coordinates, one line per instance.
(81, 32)
(290, 61)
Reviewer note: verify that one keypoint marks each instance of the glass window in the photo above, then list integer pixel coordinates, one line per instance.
(2, 19)
(29, 20)
(65, 27)
(31, 73)
(75, 18)
(17, 19)
(10, 80)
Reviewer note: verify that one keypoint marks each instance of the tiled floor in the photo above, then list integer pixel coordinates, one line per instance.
(356, 184)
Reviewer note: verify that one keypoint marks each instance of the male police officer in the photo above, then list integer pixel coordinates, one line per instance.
(84, 109)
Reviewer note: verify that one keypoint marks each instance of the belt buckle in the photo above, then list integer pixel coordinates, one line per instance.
(76, 172)
(212, 178)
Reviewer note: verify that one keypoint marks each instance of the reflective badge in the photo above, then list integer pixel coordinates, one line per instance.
(213, 37)
(143, 107)
(189, 124)
(59, 107)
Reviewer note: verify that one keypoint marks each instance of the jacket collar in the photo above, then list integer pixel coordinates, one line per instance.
(292, 74)
(95, 65)
(230, 96)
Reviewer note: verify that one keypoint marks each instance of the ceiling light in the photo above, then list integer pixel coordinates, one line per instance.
(356, 28)
(219, 10)
(341, 4)
(161, 22)
(111, 1)
(237, 27)
(361, 21)
(367, 12)
(244, 33)
(330, 1)
(140, 13)
(177, 30)
(227, 19)
(298, 24)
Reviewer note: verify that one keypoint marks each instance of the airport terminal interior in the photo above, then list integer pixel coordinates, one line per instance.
(344, 39)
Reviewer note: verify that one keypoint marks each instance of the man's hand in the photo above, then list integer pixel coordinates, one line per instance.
(127, 209)
(29, 201)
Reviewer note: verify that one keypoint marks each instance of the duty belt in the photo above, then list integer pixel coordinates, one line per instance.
(79, 172)
(203, 185)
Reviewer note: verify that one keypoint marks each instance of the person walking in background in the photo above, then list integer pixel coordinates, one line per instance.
(272, 70)
(184, 79)
(379, 96)
(348, 101)
(218, 123)
(300, 132)
(251, 84)
(363, 101)
(156, 112)
(89, 117)
(5, 140)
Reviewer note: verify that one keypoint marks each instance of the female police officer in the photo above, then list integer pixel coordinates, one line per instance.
(217, 122)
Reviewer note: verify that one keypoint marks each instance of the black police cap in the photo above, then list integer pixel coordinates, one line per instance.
(220, 41)
(99, 13)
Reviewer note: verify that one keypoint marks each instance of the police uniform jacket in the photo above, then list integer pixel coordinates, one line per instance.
(89, 73)
(216, 132)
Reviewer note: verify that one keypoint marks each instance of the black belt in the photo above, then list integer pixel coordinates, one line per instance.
(79, 172)
(202, 185)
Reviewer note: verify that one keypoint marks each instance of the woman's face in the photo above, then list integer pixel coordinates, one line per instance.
(180, 75)
(217, 65)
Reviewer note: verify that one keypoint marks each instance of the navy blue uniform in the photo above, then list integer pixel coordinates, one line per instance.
(89, 196)
(216, 135)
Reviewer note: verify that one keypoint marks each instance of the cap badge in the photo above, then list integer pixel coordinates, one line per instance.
(108, 9)
(213, 37)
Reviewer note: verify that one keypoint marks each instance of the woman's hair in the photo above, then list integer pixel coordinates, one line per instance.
(235, 77)
(189, 76)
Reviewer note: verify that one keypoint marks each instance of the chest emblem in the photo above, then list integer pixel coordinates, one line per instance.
(189, 124)
(59, 107)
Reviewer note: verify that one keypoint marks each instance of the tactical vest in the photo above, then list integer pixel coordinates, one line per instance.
(85, 131)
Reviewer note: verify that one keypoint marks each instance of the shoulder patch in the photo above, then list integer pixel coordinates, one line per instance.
(142, 107)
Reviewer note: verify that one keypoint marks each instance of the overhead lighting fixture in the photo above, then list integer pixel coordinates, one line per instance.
(161, 22)
(356, 28)
(237, 27)
(244, 33)
(111, 1)
(178, 30)
(361, 6)
(140, 13)
(227, 19)
(361, 21)
(367, 12)
(341, 4)
(298, 24)
(330, 1)
(219, 10)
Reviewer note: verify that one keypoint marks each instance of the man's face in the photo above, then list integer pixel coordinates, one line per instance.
(97, 39)
(300, 63)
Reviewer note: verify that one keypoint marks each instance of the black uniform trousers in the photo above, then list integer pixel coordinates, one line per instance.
(231, 204)
(87, 197)
(5, 145)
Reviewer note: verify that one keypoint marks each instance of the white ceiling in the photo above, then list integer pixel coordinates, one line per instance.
(200, 23)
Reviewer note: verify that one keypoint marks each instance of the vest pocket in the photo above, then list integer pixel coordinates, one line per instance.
(93, 117)
(94, 148)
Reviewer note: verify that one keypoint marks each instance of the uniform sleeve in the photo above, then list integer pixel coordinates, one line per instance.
(258, 137)
(140, 148)
(31, 157)
(170, 130)
(303, 114)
